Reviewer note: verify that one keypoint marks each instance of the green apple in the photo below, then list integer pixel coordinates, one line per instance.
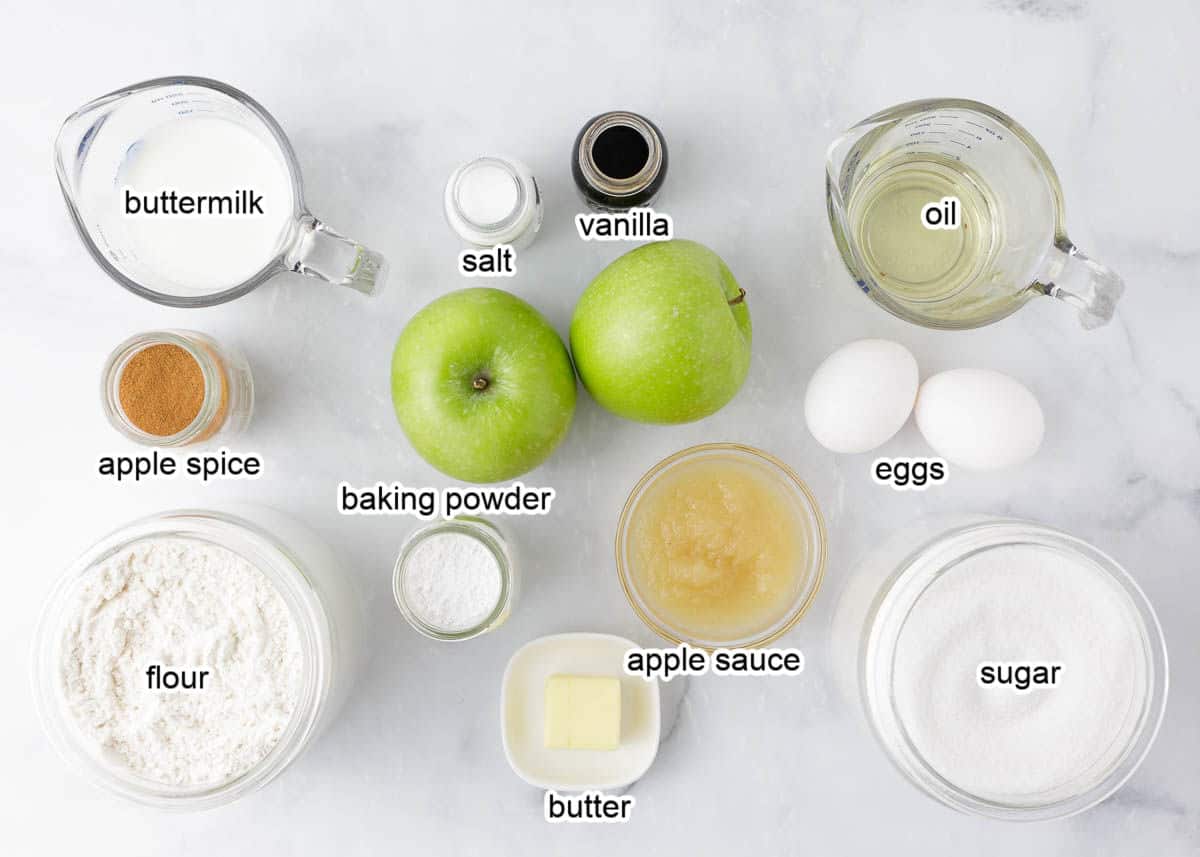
(483, 385)
(662, 335)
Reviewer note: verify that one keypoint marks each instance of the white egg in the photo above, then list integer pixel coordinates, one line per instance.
(861, 395)
(979, 419)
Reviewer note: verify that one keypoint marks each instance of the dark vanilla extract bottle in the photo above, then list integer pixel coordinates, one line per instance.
(619, 161)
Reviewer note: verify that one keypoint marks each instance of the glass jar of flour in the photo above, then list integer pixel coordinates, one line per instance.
(191, 657)
(456, 579)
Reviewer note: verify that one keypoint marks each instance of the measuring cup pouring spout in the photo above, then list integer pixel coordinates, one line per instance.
(948, 214)
(187, 192)
(842, 160)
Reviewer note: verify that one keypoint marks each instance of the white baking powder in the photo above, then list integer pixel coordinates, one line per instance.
(1021, 603)
(180, 603)
(452, 581)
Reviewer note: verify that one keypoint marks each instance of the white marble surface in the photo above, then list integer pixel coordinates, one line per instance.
(381, 101)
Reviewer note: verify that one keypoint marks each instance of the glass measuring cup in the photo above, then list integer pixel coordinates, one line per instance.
(1010, 244)
(132, 142)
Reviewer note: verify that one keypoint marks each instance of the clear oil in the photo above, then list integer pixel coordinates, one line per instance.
(946, 275)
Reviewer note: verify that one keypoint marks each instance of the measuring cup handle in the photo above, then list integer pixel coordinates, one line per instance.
(1083, 283)
(320, 252)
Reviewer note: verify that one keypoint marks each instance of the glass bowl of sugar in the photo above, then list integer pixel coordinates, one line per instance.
(1013, 671)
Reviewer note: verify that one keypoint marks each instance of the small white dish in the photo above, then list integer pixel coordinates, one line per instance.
(523, 714)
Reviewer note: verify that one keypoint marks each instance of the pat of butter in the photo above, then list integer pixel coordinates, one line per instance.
(583, 712)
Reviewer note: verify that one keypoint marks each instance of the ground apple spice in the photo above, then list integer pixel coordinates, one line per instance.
(162, 390)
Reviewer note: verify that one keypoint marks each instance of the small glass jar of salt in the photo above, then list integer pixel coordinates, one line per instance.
(455, 579)
(491, 201)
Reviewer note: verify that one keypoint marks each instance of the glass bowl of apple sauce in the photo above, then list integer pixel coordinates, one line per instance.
(721, 546)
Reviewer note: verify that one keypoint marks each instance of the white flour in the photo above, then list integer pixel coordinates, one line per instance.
(1014, 604)
(451, 581)
(181, 603)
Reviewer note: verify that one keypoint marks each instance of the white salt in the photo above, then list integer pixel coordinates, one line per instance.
(487, 193)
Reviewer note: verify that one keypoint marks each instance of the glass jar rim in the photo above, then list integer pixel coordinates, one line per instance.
(512, 226)
(287, 576)
(601, 181)
(510, 171)
(484, 532)
(903, 590)
(211, 372)
(815, 561)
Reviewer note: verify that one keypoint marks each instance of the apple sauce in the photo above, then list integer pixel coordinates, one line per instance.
(719, 547)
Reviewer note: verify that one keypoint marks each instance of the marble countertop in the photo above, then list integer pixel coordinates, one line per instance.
(381, 101)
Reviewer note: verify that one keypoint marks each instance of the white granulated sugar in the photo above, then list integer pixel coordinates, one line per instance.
(451, 581)
(1020, 603)
(187, 604)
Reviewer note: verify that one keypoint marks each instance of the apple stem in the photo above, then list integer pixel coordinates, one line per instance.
(480, 382)
(741, 296)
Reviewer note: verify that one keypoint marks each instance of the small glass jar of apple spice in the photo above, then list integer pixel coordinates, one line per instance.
(176, 388)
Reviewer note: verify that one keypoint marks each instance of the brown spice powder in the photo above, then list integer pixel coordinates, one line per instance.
(161, 389)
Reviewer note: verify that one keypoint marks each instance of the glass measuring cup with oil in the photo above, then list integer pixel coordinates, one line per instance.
(949, 215)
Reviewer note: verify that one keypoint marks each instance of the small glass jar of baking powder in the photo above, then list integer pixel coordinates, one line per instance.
(456, 579)
(491, 201)
(173, 388)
